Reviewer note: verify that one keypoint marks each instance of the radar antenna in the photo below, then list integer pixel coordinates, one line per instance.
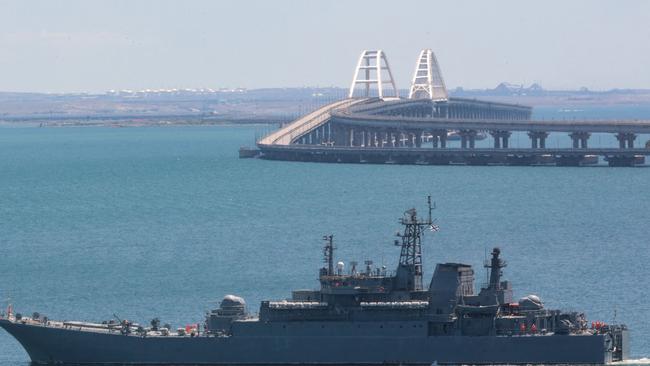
(410, 260)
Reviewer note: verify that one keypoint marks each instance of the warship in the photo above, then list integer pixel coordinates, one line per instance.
(363, 315)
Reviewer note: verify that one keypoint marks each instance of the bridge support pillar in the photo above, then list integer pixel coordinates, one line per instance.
(542, 139)
(626, 140)
(538, 139)
(467, 138)
(348, 134)
(500, 138)
(409, 139)
(339, 135)
(327, 134)
(438, 138)
(579, 139)
(418, 139)
(356, 138)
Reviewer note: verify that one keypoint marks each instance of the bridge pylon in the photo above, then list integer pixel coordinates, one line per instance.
(373, 69)
(427, 82)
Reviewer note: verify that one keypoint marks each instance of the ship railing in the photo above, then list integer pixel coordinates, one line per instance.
(396, 304)
(296, 304)
(361, 274)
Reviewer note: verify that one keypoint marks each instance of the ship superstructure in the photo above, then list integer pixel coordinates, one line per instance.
(362, 315)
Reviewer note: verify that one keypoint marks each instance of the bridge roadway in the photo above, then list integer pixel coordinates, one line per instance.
(341, 112)
(306, 124)
(348, 117)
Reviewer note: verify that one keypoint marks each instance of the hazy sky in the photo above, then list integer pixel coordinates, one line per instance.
(63, 46)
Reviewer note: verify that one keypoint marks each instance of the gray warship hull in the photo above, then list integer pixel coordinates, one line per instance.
(317, 343)
(366, 316)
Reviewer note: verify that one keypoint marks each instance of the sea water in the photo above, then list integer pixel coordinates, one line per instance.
(164, 221)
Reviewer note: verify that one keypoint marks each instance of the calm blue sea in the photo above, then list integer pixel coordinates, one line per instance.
(164, 221)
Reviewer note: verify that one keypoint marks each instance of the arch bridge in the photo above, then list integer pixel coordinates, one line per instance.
(375, 125)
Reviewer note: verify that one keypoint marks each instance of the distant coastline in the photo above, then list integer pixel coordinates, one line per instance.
(256, 106)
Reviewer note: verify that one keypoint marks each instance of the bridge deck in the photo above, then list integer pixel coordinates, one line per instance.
(287, 134)
(380, 121)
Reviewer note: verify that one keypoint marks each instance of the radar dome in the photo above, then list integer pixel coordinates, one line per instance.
(530, 302)
(232, 301)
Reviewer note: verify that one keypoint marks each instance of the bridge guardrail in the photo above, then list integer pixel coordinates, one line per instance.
(317, 120)
(304, 124)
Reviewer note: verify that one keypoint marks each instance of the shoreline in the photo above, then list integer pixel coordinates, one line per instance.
(4, 124)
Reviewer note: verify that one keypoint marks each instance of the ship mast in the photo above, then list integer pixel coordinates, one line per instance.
(328, 253)
(410, 259)
(495, 266)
